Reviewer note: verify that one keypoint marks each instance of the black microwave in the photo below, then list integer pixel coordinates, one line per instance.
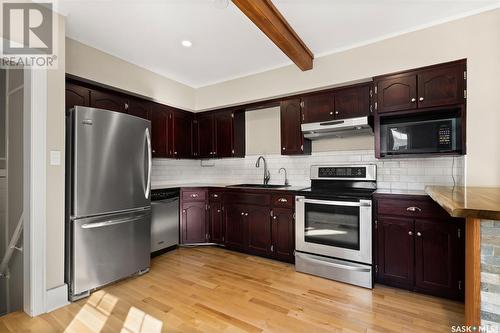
(421, 134)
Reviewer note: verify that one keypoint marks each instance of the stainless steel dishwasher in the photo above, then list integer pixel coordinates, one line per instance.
(164, 220)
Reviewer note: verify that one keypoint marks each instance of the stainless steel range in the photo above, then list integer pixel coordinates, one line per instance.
(334, 224)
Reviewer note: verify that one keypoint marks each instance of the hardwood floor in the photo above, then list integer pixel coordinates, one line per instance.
(208, 289)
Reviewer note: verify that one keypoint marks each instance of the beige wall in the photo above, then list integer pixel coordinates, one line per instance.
(476, 38)
(90, 63)
(55, 174)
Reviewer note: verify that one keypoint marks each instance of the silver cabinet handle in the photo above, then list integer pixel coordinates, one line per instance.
(275, 217)
(184, 211)
(414, 209)
(283, 148)
(246, 214)
(413, 100)
(216, 195)
(419, 234)
(242, 213)
(218, 210)
(126, 106)
(336, 112)
(331, 113)
(421, 99)
(194, 195)
(410, 233)
(283, 200)
(175, 153)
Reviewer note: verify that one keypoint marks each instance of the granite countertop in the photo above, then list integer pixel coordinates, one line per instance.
(473, 202)
(401, 192)
(225, 185)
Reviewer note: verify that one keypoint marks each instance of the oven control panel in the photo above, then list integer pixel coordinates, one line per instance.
(342, 172)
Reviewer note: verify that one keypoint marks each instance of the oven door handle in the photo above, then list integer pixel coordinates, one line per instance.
(335, 265)
(361, 203)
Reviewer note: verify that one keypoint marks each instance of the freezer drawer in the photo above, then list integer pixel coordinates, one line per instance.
(108, 248)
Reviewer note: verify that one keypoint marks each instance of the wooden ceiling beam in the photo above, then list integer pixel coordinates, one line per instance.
(270, 21)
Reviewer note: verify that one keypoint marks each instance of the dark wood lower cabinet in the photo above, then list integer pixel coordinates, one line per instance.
(395, 251)
(193, 222)
(419, 248)
(235, 227)
(216, 222)
(259, 229)
(283, 234)
(438, 257)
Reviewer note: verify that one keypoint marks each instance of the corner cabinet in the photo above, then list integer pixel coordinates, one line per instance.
(418, 246)
(292, 139)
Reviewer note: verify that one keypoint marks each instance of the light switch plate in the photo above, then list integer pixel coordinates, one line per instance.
(55, 157)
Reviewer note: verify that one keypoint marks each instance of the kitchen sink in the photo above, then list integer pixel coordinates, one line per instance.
(260, 185)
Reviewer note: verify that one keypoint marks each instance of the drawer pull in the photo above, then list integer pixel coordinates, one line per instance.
(215, 196)
(242, 213)
(194, 195)
(246, 214)
(413, 209)
(283, 200)
(410, 233)
(419, 234)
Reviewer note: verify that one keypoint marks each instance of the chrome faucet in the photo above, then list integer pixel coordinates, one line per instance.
(267, 174)
(286, 177)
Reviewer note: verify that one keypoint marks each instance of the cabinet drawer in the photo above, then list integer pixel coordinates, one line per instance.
(282, 200)
(215, 196)
(248, 198)
(193, 195)
(424, 207)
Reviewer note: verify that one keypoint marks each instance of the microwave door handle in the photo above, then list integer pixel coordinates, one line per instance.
(361, 203)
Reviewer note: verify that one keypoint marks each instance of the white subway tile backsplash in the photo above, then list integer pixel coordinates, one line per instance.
(412, 174)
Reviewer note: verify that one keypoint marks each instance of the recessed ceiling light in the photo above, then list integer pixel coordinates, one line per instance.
(186, 43)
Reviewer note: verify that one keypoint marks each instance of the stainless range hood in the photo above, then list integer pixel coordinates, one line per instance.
(337, 128)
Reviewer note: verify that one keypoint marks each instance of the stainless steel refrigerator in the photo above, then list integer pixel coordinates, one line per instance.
(108, 206)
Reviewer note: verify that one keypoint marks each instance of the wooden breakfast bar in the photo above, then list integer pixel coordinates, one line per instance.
(474, 204)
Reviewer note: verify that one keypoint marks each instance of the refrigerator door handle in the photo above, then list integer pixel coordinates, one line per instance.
(148, 184)
(111, 222)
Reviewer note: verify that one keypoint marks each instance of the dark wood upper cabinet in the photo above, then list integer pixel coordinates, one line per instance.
(223, 134)
(206, 144)
(292, 139)
(395, 250)
(439, 257)
(352, 102)
(441, 86)
(428, 87)
(76, 95)
(396, 93)
(318, 107)
(112, 101)
(140, 108)
(159, 130)
(283, 234)
(259, 229)
(193, 222)
(181, 133)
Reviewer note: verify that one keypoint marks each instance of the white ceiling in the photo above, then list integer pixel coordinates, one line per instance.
(227, 45)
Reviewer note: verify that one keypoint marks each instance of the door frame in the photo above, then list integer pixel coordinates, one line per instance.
(35, 148)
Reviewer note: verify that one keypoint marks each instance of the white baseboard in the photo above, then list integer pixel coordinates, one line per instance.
(56, 297)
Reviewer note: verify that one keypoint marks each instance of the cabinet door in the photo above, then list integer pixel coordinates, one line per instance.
(181, 134)
(140, 108)
(292, 140)
(441, 86)
(108, 101)
(76, 95)
(193, 222)
(223, 123)
(215, 211)
(206, 135)
(318, 107)
(395, 249)
(438, 253)
(397, 93)
(159, 131)
(283, 234)
(352, 102)
(235, 228)
(259, 229)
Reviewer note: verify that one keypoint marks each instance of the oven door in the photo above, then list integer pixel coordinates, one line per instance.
(338, 229)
